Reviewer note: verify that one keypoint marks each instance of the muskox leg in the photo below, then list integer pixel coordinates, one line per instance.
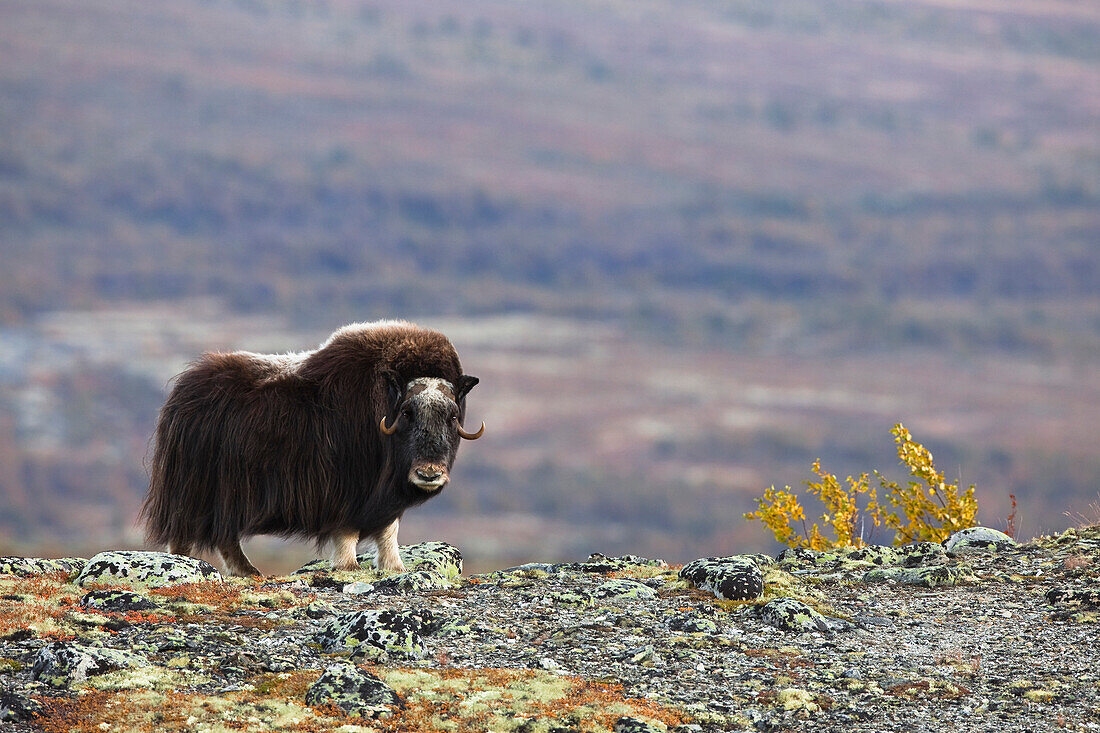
(388, 557)
(235, 561)
(179, 548)
(343, 549)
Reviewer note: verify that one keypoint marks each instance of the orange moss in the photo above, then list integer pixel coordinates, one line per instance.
(43, 585)
(285, 685)
(213, 593)
(590, 696)
(48, 606)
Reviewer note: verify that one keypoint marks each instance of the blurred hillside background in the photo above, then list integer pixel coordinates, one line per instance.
(687, 246)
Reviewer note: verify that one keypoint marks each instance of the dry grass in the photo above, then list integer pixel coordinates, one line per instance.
(449, 699)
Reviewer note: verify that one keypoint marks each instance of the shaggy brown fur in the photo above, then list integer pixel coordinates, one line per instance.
(289, 445)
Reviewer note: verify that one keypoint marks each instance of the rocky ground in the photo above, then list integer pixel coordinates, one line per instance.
(978, 634)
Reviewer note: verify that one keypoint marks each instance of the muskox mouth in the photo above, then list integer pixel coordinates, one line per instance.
(428, 477)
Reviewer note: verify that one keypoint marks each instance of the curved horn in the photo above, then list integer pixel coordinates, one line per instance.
(387, 431)
(471, 436)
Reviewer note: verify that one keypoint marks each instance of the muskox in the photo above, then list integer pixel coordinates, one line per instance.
(331, 445)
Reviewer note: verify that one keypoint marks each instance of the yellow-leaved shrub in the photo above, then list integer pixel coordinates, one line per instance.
(931, 508)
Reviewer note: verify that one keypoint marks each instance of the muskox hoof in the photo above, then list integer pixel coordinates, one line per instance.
(392, 567)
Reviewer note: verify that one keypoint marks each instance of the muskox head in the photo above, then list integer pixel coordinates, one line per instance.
(427, 427)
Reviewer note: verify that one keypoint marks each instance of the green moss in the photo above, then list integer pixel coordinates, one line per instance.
(1040, 695)
(792, 698)
(146, 678)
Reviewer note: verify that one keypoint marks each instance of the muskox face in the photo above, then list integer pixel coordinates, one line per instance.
(428, 427)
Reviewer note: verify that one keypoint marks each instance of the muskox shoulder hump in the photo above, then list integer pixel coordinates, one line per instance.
(399, 347)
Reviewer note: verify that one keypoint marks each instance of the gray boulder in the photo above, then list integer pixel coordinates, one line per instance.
(791, 614)
(145, 570)
(371, 632)
(622, 589)
(735, 578)
(977, 539)
(116, 601)
(17, 708)
(440, 558)
(62, 664)
(24, 566)
(936, 576)
(357, 693)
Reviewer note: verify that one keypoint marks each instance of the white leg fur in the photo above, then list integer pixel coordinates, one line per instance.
(386, 542)
(343, 550)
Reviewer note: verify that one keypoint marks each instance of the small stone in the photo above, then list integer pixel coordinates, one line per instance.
(690, 623)
(357, 588)
(569, 597)
(635, 725)
(318, 609)
(549, 665)
(645, 655)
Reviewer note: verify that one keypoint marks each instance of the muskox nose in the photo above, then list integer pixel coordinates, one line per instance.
(428, 474)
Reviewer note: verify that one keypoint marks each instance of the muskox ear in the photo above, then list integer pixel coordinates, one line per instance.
(465, 384)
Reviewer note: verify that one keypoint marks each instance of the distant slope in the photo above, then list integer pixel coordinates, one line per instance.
(874, 172)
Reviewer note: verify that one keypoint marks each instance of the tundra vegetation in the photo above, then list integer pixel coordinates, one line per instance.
(932, 508)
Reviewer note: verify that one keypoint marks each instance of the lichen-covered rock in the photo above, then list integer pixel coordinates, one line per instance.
(688, 622)
(318, 609)
(916, 554)
(791, 614)
(936, 576)
(977, 539)
(357, 693)
(399, 633)
(803, 557)
(623, 589)
(116, 601)
(25, 566)
(145, 569)
(440, 558)
(414, 581)
(62, 664)
(873, 554)
(634, 725)
(597, 563)
(1084, 598)
(568, 598)
(17, 708)
(734, 578)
